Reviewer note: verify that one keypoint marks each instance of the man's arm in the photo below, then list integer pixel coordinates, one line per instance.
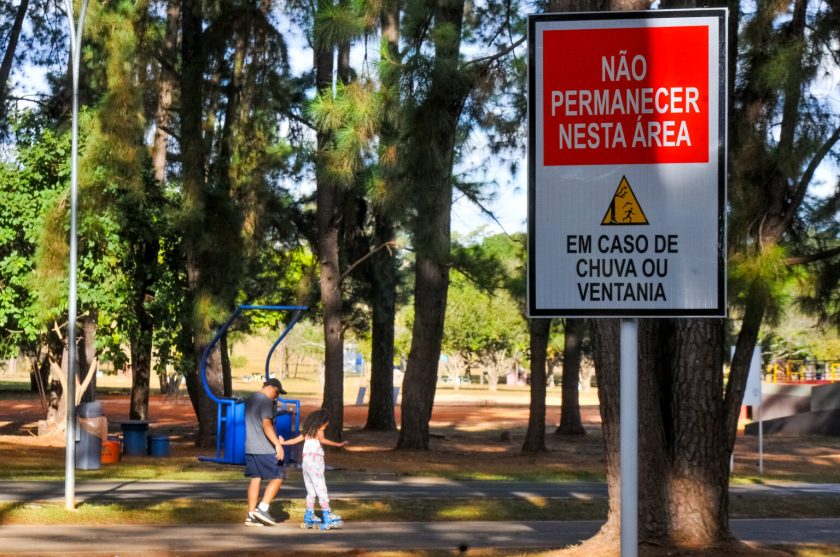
(268, 429)
(293, 440)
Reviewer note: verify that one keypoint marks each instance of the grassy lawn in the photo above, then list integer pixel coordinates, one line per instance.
(184, 511)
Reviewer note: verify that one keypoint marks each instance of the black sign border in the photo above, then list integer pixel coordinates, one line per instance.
(721, 14)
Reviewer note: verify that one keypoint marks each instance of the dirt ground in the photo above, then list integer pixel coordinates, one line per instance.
(475, 438)
(461, 432)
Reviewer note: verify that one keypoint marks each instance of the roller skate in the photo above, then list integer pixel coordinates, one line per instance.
(331, 520)
(310, 520)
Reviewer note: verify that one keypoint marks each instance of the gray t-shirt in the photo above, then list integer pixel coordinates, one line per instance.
(258, 407)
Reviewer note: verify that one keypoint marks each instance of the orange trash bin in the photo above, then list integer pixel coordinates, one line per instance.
(110, 452)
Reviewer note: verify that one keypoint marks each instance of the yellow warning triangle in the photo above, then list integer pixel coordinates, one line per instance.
(624, 208)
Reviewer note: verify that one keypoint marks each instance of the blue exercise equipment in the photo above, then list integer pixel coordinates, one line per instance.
(230, 420)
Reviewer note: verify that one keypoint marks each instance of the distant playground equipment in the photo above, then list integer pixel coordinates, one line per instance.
(230, 421)
(800, 397)
(802, 371)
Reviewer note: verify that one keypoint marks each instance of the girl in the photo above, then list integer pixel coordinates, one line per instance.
(313, 469)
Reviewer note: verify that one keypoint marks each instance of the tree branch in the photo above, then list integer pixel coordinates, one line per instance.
(83, 387)
(389, 244)
(808, 175)
(493, 57)
(300, 119)
(804, 259)
(29, 99)
(484, 210)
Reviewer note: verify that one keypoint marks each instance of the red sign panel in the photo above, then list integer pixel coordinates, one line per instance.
(626, 96)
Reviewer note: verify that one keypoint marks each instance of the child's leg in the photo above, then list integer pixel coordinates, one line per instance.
(309, 518)
(311, 492)
(319, 486)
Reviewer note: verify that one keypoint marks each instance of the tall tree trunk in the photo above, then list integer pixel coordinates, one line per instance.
(433, 146)
(9, 55)
(233, 111)
(539, 330)
(227, 371)
(141, 363)
(655, 348)
(698, 467)
(87, 355)
(329, 224)
(195, 205)
(431, 285)
(384, 307)
(570, 420)
(167, 86)
(381, 406)
(40, 375)
(606, 341)
(144, 253)
(328, 202)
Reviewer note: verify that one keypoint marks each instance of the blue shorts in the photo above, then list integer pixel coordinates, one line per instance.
(265, 466)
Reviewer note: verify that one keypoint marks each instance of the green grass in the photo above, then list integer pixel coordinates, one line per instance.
(798, 506)
(827, 477)
(47, 463)
(185, 511)
(41, 467)
(525, 476)
(815, 550)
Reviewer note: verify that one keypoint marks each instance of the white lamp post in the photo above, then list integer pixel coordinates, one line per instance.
(76, 29)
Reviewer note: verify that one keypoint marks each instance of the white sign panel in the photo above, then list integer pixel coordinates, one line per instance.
(627, 164)
(752, 392)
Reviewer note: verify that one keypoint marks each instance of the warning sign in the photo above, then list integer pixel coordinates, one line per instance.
(634, 95)
(624, 208)
(627, 164)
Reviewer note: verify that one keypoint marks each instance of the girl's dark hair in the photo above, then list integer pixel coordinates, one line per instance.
(314, 421)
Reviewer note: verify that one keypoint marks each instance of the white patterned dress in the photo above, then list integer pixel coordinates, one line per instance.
(313, 474)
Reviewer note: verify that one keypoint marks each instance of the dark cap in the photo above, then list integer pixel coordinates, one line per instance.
(274, 382)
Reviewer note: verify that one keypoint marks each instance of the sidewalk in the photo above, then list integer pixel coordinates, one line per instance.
(403, 487)
(409, 488)
(233, 540)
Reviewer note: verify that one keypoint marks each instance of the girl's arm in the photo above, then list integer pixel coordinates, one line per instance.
(327, 442)
(293, 440)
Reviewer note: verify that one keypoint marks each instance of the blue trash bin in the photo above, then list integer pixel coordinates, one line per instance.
(135, 436)
(284, 424)
(159, 445)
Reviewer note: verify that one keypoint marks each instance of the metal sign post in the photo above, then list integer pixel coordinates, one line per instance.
(629, 432)
(75, 41)
(753, 397)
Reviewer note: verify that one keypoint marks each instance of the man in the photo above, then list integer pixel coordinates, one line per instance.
(264, 459)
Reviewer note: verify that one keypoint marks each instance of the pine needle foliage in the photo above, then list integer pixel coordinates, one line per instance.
(782, 126)
(352, 115)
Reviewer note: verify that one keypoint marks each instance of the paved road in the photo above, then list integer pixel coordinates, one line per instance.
(428, 488)
(423, 488)
(88, 540)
